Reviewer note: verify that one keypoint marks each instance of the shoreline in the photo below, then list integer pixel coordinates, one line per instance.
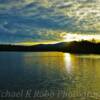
(75, 47)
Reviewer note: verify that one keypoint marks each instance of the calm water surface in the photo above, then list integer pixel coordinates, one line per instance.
(49, 76)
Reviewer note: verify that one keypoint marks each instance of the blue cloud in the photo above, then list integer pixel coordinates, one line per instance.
(21, 19)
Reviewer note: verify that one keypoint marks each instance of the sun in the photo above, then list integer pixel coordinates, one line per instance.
(79, 37)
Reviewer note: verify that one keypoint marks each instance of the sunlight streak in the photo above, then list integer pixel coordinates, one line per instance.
(68, 63)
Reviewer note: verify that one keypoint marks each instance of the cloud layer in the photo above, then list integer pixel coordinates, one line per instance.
(47, 19)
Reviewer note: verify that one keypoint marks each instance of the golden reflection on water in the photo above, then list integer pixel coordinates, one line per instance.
(46, 61)
(62, 61)
(68, 62)
(84, 71)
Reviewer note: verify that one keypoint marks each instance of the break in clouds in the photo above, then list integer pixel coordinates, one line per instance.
(37, 20)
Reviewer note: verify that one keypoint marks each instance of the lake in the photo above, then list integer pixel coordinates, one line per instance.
(49, 76)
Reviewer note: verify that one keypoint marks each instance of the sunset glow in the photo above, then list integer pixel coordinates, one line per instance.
(79, 37)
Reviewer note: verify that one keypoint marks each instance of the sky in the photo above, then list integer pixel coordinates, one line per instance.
(47, 20)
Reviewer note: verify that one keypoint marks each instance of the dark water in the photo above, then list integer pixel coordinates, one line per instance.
(49, 76)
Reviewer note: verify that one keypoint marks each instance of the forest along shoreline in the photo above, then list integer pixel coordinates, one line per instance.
(81, 47)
